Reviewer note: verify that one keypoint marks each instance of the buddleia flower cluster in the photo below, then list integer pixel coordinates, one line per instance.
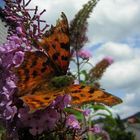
(24, 22)
(97, 71)
(11, 55)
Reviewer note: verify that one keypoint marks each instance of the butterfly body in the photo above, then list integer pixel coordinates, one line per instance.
(61, 81)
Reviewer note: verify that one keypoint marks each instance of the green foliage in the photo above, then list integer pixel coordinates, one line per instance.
(2, 132)
(75, 112)
(103, 108)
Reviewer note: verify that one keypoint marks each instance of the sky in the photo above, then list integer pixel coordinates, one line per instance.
(113, 31)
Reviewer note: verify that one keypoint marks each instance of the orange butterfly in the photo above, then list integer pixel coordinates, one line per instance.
(42, 75)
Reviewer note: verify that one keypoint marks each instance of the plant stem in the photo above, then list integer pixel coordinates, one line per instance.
(90, 134)
(78, 65)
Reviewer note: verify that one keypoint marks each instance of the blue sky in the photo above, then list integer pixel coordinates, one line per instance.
(113, 31)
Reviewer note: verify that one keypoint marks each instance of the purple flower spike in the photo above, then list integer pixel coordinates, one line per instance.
(28, 26)
(10, 56)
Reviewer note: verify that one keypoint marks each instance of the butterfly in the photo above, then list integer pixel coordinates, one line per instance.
(43, 74)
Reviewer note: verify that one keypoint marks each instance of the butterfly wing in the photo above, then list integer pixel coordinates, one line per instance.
(86, 94)
(42, 99)
(33, 81)
(39, 66)
(57, 45)
(80, 94)
(33, 72)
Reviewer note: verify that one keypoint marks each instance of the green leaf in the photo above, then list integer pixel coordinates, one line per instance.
(77, 113)
(84, 72)
(102, 107)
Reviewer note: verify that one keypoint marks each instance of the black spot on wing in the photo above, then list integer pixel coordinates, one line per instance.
(54, 46)
(55, 56)
(91, 90)
(75, 98)
(65, 46)
(82, 87)
(46, 98)
(64, 58)
(76, 91)
(34, 74)
(104, 96)
(26, 73)
(56, 40)
(43, 69)
(34, 62)
(46, 63)
(82, 95)
(39, 54)
(34, 100)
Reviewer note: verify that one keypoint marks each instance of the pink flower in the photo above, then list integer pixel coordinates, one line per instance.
(84, 54)
(109, 59)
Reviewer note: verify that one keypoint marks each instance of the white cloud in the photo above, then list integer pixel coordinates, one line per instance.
(117, 50)
(123, 75)
(55, 7)
(124, 72)
(115, 20)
